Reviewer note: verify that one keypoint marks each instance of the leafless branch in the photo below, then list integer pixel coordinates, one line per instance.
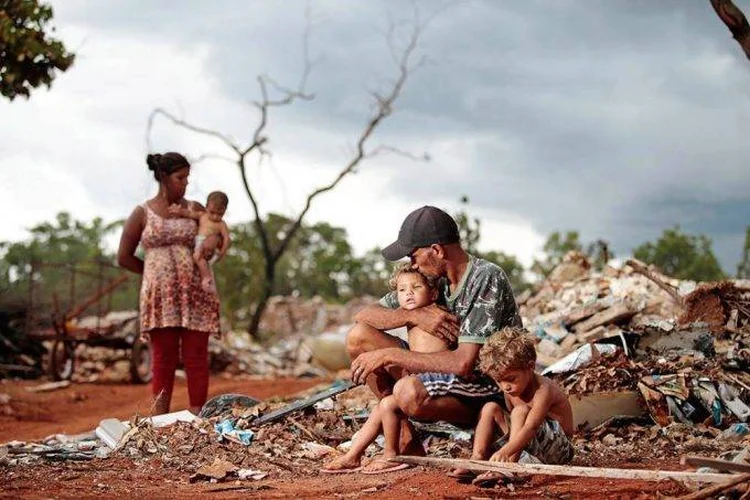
(182, 123)
(736, 21)
(406, 154)
(384, 109)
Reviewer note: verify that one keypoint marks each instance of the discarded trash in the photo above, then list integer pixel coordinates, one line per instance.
(579, 358)
(225, 428)
(734, 432)
(218, 470)
(110, 431)
(49, 386)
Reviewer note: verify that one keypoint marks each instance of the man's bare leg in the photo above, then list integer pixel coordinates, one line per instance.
(364, 338)
(415, 401)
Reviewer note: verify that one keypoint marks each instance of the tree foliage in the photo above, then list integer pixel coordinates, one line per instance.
(470, 230)
(743, 268)
(65, 261)
(681, 255)
(29, 56)
(319, 261)
(555, 248)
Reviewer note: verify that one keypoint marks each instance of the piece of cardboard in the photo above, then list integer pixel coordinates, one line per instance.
(598, 407)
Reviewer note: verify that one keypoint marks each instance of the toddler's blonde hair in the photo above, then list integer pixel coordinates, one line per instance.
(511, 348)
(405, 268)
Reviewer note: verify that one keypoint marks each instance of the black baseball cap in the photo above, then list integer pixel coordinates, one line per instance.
(423, 227)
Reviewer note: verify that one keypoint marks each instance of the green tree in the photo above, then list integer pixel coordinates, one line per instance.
(318, 261)
(63, 262)
(681, 256)
(743, 269)
(470, 230)
(555, 248)
(29, 56)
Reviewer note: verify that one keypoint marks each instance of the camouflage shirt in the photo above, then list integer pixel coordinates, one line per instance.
(483, 301)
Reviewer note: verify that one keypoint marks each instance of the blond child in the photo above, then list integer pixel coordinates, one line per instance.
(213, 234)
(413, 290)
(539, 422)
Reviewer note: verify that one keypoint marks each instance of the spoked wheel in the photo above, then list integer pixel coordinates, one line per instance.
(62, 360)
(140, 362)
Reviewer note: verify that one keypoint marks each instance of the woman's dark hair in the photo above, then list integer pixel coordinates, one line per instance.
(165, 164)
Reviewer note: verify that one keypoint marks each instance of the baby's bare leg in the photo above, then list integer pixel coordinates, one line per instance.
(201, 256)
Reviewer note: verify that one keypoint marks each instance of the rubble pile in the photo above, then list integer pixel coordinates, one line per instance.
(294, 446)
(575, 305)
(638, 442)
(101, 364)
(684, 348)
(237, 355)
(289, 315)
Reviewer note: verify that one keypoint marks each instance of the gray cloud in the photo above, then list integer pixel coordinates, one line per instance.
(618, 119)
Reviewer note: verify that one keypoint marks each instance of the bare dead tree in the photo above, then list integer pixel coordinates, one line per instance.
(736, 21)
(241, 155)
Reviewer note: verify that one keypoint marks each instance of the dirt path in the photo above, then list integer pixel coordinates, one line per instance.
(79, 407)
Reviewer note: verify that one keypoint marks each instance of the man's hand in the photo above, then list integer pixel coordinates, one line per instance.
(369, 362)
(437, 322)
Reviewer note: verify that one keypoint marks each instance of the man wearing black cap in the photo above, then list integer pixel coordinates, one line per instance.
(476, 299)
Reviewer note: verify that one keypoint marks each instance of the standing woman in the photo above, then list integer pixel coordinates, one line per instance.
(176, 313)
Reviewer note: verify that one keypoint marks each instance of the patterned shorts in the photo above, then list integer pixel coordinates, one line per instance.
(549, 446)
(479, 388)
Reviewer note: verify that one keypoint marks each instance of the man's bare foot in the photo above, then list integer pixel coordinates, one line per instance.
(380, 465)
(341, 465)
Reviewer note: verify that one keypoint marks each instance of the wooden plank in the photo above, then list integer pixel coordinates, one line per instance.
(714, 463)
(615, 313)
(565, 470)
(733, 480)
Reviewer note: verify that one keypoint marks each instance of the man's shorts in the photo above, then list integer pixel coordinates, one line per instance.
(550, 445)
(478, 389)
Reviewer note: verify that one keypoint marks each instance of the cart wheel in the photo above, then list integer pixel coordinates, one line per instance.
(140, 362)
(62, 360)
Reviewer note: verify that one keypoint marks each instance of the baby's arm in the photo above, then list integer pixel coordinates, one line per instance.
(185, 213)
(540, 405)
(225, 240)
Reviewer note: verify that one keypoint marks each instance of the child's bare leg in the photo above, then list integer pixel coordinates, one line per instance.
(489, 419)
(517, 418)
(367, 434)
(391, 418)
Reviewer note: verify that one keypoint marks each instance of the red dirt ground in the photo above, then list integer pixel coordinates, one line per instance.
(79, 408)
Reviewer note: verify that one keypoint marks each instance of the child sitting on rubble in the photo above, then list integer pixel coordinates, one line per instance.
(212, 236)
(413, 290)
(539, 421)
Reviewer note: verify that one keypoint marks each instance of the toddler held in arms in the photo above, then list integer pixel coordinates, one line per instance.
(413, 290)
(213, 234)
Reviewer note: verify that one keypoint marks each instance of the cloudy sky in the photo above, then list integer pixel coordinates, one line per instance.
(618, 119)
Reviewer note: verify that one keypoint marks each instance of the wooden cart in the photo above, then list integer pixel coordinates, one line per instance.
(56, 315)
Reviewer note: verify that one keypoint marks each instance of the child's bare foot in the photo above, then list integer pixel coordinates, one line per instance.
(341, 465)
(381, 465)
(463, 475)
(207, 284)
